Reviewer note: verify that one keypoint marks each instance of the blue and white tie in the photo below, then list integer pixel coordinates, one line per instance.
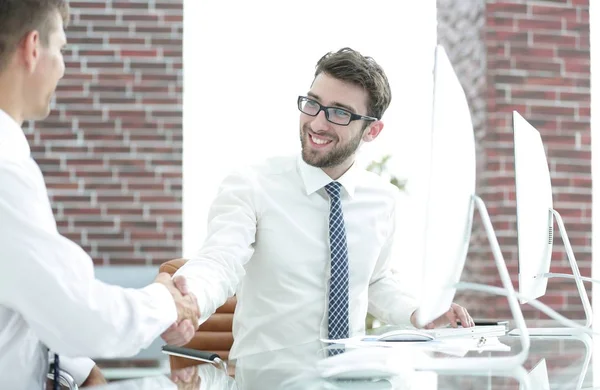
(338, 285)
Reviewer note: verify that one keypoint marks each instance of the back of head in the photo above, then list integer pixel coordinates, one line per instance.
(19, 17)
(350, 66)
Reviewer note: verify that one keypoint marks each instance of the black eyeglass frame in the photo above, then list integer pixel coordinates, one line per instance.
(353, 116)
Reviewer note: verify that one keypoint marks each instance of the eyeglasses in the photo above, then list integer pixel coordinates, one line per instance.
(336, 115)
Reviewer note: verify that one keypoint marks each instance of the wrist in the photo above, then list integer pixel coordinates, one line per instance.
(413, 318)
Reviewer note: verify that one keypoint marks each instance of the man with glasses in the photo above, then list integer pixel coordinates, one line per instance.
(305, 242)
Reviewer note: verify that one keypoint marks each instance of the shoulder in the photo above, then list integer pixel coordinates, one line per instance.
(259, 174)
(378, 185)
(268, 167)
(16, 178)
(276, 165)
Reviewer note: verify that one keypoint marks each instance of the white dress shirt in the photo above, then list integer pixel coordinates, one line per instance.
(48, 294)
(268, 242)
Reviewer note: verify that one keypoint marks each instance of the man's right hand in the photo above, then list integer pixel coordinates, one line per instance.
(182, 331)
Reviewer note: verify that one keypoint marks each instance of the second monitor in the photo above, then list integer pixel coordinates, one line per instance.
(535, 224)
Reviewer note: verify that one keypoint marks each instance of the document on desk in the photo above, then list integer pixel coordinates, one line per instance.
(473, 332)
(454, 346)
(368, 363)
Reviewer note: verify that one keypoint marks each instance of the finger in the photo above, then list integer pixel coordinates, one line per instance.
(471, 320)
(181, 284)
(186, 374)
(173, 335)
(464, 317)
(181, 335)
(452, 318)
(163, 277)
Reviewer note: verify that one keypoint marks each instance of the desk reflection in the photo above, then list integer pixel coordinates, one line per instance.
(567, 361)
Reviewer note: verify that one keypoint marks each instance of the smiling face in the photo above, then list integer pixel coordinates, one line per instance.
(330, 146)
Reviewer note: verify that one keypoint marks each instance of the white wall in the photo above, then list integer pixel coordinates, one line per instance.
(240, 56)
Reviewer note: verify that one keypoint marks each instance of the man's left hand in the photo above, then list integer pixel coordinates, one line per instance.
(452, 316)
(95, 378)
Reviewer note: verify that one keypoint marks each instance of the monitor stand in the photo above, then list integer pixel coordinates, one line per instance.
(488, 363)
(587, 307)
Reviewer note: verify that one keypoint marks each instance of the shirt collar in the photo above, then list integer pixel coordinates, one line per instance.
(315, 178)
(12, 139)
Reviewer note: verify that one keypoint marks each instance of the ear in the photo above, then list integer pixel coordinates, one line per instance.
(29, 50)
(373, 131)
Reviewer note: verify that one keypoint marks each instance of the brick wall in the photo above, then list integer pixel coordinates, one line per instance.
(111, 149)
(537, 59)
(538, 64)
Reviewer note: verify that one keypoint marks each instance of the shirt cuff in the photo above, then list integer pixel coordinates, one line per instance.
(165, 305)
(196, 286)
(79, 368)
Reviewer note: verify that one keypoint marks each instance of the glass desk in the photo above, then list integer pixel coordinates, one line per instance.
(560, 363)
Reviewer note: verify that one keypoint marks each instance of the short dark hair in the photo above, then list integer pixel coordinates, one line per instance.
(19, 17)
(349, 65)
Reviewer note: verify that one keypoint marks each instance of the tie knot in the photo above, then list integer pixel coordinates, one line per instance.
(333, 189)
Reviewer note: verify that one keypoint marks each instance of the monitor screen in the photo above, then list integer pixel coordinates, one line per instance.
(449, 209)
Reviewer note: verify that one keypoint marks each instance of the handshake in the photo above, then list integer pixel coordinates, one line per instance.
(182, 331)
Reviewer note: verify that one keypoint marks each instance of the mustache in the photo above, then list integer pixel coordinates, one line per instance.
(306, 129)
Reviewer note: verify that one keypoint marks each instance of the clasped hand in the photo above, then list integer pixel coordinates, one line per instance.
(182, 331)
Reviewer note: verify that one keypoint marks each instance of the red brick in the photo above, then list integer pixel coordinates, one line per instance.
(78, 5)
(508, 7)
(558, 40)
(583, 54)
(94, 18)
(139, 53)
(537, 24)
(139, 7)
(532, 94)
(553, 12)
(552, 110)
(537, 65)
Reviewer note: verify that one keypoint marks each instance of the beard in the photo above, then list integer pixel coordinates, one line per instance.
(336, 156)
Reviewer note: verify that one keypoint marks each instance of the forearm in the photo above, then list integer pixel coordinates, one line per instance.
(214, 272)
(211, 282)
(54, 289)
(49, 280)
(390, 302)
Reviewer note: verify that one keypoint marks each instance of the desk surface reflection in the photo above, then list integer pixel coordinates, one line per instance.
(560, 363)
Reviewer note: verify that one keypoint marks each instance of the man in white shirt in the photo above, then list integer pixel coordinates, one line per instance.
(306, 242)
(49, 298)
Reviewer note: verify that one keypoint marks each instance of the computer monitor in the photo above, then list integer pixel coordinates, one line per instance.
(535, 223)
(448, 220)
(449, 207)
(534, 209)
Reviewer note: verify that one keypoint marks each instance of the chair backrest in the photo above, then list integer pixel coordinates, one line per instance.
(214, 335)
